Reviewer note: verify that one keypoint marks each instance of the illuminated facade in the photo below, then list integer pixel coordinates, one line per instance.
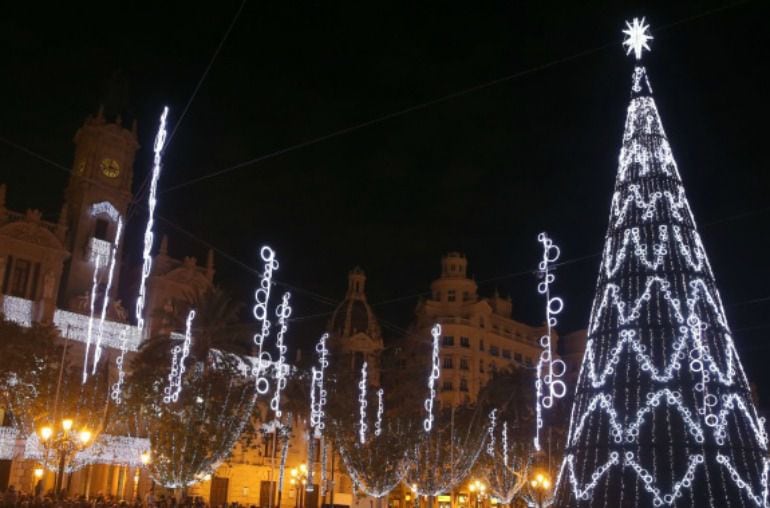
(478, 335)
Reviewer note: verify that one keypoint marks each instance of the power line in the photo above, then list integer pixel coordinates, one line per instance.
(143, 186)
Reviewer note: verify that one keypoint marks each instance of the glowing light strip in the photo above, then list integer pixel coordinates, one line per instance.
(317, 383)
(556, 368)
(505, 443)
(178, 356)
(435, 372)
(262, 297)
(106, 299)
(160, 140)
(89, 333)
(281, 369)
(491, 432)
(380, 410)
(362, 406)
(116, 392)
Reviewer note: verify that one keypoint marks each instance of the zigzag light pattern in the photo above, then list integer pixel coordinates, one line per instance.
(662, 414)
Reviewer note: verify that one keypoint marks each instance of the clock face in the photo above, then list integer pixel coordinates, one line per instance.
(110, 168)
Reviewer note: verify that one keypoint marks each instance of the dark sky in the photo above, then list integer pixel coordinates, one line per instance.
(481, 173)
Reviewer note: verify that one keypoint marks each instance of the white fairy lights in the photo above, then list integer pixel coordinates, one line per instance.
(160, 140)
(106, 296)
(283, 311)
(661, 388)
(435, 373)
(178, 356)
(362, 427)
(637, 37)
(116, 390)
(491, 433)
(92, 304)
(262, 298)
(548, 381)
(380, 411)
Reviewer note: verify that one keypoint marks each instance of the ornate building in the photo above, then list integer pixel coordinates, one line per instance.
(478, 334)
(354, 332)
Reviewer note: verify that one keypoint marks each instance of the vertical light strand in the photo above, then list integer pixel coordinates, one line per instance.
(505, 443)
(491, 432)
(262, 298)
(106, 298)
(116, 393)
(554, 368)
(179, 355)
(362, 406)
(435, 372)
(160, 140)
(89, 332)
(380, 411)
(281, 369)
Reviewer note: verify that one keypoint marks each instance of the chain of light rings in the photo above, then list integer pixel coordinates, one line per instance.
(491, 432)
(116, 393)
(281, 369)
(317, 405)
(262, 297)
(435, 372)
(380, 411)
(178, 355)
(362, 406)
(160, 140)
(548, 381)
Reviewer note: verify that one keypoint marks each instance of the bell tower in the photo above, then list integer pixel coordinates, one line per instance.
(97, 198)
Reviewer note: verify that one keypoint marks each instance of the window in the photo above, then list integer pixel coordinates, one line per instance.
(517, 357)
(507, 353)
(481, 322)
(451, 295)
(528, 361)
(463, 385)
(465, 342)
(448, 362)
(466, 296)
(449, 340)
(494, 351)
(100, 230)
(270, 448)
(481, 367)
(481, 344)
(447, 386)
(464, 364)
(19, 278)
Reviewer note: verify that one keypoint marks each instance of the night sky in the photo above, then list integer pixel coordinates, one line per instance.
(482, 172)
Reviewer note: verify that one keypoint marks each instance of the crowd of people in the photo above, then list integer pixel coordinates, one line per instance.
(13, 498)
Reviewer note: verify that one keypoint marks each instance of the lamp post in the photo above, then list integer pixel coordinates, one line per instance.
(65, 440)
(478, 488)
(298, 481)
(540, 484)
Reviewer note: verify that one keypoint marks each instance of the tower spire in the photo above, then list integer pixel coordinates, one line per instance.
(663, 414)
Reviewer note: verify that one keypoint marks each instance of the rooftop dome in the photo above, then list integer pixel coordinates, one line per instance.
(354, 315)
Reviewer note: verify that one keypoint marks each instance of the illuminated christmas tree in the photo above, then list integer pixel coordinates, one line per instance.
(663, 414)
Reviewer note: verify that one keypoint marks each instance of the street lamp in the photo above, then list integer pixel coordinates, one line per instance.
(478, 488)
(298, 481)
(540, 484)
(66, 442)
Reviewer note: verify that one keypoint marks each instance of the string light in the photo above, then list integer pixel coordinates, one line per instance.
(262, 297)
(160, 140)
(637, 37)
(92, 301)
(380, 411)
(659, 355)
(106, 296)
(178, 356)
(555, 368)
(491, 431)
(362, 406)
(283, 311)
(116, 391)
(435, 373)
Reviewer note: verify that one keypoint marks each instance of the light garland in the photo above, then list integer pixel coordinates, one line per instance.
(116, 391)
(435, 373)
(555, 368)
(74, 326)
(160, 140)
(380, 411)
(362, 427)
(491, 432)
(18, 310)
(281, 368)
(106, 297)
(179, 355)
(262, 298)
(317, 383)
(659, 351)
(507, 479)
(92, 300)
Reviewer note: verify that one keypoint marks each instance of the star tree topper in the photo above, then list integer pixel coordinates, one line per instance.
(637, 36)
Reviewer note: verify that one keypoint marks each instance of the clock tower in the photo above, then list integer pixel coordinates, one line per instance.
(97, 197)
